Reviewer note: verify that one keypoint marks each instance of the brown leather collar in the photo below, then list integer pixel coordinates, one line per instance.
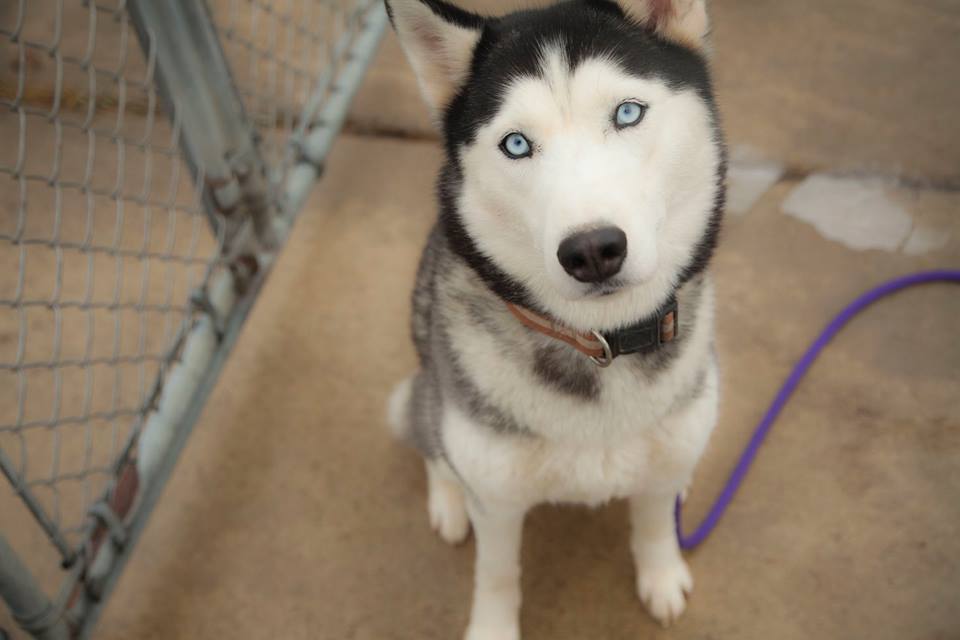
(642, 337)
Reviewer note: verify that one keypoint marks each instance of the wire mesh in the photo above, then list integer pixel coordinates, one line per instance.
(285, 56)
(108, 242)
(103, 237)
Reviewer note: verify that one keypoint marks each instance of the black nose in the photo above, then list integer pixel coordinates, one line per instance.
(593, 256)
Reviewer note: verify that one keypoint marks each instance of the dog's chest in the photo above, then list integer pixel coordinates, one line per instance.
(585, 450)
(533, 469)
(567, 438)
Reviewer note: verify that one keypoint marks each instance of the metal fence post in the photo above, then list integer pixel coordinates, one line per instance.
(218, 140)
(30, 607)
(249, 196)
(314, 143)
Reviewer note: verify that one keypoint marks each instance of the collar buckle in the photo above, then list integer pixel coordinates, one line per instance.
(607, 359)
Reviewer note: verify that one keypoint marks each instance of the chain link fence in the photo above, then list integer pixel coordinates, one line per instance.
(153, 156)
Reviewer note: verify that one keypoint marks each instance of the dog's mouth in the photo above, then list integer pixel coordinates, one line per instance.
(605, 288)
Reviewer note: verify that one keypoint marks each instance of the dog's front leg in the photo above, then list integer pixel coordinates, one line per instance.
(663, 579)
(498, 529)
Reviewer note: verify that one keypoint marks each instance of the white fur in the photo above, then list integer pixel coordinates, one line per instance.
(440, 52)
(446, 504)
(398, 418)
(655, 181)
(633, 442)
(495, 613)
(663, 578)
(641, 438)
(631, 438)
(686, 21)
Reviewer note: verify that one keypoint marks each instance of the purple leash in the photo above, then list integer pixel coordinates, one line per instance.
(799, 370)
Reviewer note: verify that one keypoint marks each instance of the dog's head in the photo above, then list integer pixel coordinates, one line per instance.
(584, 161)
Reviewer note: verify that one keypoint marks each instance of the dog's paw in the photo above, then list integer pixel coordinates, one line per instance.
(448, 512)
(492, 632)
(663, 590)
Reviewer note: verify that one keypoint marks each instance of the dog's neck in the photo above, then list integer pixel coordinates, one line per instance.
(644, 336)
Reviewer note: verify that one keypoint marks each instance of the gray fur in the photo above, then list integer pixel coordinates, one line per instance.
(424, 413)
(574, 376)
(468, 397)
(448, 296)
(441, 376)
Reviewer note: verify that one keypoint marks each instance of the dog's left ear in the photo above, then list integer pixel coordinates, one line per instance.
(439, 40)
(682, 21)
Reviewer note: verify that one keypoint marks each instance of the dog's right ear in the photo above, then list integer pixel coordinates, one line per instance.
(439, 40)
(682, 21)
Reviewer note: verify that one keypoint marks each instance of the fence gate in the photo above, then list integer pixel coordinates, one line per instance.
(153, 156)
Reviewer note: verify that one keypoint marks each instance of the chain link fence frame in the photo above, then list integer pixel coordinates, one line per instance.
(156, 155)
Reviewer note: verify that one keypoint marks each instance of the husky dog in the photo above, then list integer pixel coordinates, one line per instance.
(563, 311)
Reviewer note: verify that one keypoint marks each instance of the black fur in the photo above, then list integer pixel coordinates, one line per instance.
(509, 47)
(711, 234)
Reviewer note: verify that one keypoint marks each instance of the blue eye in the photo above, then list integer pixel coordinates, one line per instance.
(628, 114)
(516, 146)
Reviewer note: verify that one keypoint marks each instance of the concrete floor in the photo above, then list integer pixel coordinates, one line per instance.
(293, 515)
